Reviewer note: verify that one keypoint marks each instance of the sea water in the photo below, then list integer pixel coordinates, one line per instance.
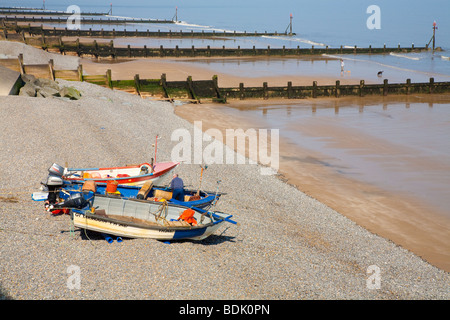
(315, 23)
(398, 146)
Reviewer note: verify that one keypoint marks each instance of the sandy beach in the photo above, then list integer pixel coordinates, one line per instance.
(398, 216)
(419, 227)
(177, 69)
(291, 244)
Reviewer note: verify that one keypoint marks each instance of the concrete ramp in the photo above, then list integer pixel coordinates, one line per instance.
(10, 82)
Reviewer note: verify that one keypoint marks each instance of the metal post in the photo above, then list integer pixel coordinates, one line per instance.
(434, 34)
(290, 26)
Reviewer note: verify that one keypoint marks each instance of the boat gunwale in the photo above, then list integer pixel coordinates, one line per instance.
(142, 226)
(214, 220)
(206, 197)
(119, 179)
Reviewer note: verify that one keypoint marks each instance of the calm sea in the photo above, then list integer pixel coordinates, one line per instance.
(319, 23)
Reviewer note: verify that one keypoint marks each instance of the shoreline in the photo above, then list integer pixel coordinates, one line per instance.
(177, 69)
(408, 222)
(396, 218)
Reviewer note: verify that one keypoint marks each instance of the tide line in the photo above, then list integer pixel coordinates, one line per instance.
(383, 65)
(403, 56)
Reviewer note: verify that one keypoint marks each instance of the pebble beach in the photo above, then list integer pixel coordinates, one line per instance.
(287, 246)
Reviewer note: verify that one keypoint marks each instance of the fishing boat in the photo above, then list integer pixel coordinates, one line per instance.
(134, 218)
(192, 198)
(135, 175)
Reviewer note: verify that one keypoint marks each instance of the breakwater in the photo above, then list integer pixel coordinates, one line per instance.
(104, 50)
(59, 32)
(109, 50)
(43, 12)
(61, 40)
(201, 91)
(96, 20)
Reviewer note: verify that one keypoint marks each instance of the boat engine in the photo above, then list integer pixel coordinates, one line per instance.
(53, 182)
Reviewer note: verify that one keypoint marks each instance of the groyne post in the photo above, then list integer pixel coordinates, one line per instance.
(265, 93)
(77, 43)
(109, 78)
(361, 86)
(163, 83)
(80, 72)
(385, 87)
(289, 89)
(51, 69)
(337, 89)
(20, 59)
(112, 50)
(314, 89)
(216, 86)
(137, 84)
(191, 88)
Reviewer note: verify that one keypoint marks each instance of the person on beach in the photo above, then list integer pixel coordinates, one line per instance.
(342, 65)
(177, 187)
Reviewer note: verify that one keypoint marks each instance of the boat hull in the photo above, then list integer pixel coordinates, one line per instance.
(130, 218)
(131, 192)
(129, 175)
(121, 229)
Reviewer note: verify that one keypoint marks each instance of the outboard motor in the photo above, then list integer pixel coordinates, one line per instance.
(56, 170)
(53, 183)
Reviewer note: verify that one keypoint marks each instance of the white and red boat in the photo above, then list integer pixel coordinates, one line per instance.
(135, 175)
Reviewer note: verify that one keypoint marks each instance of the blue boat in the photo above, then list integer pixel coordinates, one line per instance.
(192, 198)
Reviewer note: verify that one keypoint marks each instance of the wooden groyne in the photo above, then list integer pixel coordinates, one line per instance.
(201, 91)
(58, 32)
(63, 20)
(108, 50)
(43, 12)
(317, 91)
(52, 39)
(46, 71)
(105, 50)
(209, 91)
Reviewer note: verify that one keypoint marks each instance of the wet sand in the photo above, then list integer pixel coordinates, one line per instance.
(399, 216)
(177, 69)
